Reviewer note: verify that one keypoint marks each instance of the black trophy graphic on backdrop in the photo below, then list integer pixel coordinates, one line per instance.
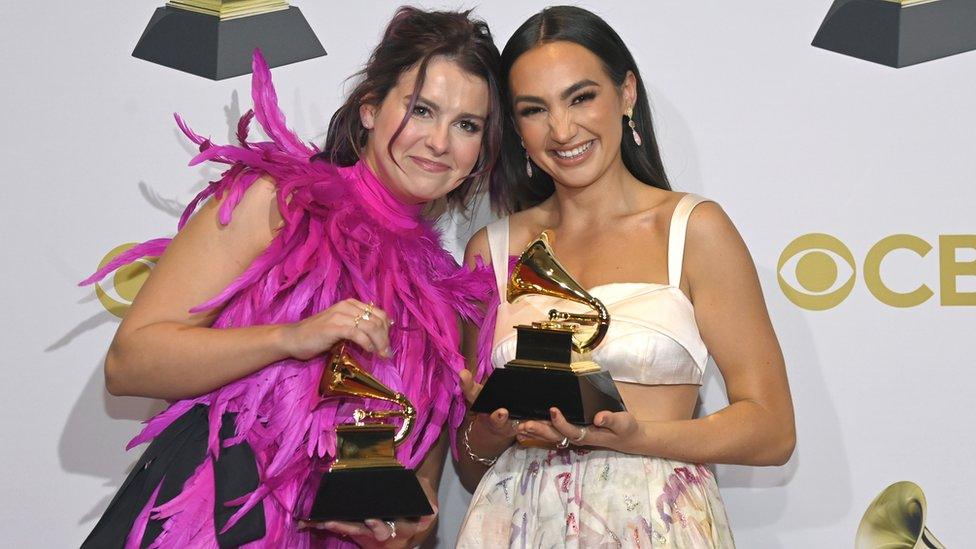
(899, 33)
(216, 38)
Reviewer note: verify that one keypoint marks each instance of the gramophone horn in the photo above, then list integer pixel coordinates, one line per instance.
(537, 272)
(346, 377)
(896, 520)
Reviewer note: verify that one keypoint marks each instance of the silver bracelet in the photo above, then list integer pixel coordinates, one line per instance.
(467, 446)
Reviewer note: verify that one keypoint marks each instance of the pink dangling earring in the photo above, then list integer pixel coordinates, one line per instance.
(528, 162)
(633, 127)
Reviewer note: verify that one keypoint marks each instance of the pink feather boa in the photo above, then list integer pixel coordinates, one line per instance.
(344, 236)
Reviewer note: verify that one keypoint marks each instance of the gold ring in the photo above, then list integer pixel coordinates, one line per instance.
(563, 443)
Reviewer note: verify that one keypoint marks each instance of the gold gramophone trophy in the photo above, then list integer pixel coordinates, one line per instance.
(552, 365)
(365, 480)
(896, 520)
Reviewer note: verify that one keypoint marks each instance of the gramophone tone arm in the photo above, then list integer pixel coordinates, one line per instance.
(408, 413)
(601, 320)
(586, 320)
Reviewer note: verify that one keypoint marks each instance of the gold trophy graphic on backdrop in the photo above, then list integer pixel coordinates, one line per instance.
(552, 365)
(365, 480)
(896, 520)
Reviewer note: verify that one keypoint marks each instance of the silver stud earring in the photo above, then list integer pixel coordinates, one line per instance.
(528, 162)
(633, 127)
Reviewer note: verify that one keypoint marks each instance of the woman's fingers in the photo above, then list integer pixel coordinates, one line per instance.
(562, 426)
(539, 430)
(378, 333)
(358, 308)
(375, 329)
(351, 529)
(381, 530)
(348, 330)
(501, 423)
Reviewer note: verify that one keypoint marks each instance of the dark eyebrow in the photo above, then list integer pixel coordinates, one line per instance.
(577, 87)
(435, 107)
(565, 95)
(421, 99)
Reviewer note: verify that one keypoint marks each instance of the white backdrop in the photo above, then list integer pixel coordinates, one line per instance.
(789, 139)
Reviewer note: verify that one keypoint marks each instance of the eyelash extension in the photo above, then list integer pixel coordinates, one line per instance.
(583, 97)
(528, 111)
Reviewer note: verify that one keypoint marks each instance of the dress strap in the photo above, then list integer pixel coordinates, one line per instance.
(676, 235)
(498, 246)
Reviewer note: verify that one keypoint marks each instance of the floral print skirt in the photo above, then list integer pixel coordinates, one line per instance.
(577, 498)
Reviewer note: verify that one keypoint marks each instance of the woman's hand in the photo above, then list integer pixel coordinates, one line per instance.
(618, 431)
(376, 533)
(487, 435)
(496, 424)
(347, 319)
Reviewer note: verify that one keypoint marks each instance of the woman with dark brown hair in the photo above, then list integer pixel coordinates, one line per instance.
(583, 163)
(294, 250)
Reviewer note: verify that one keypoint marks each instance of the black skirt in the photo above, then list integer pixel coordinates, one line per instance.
(170, 459)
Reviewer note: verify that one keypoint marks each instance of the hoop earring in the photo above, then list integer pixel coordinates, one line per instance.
(528, 162)
(633, 127)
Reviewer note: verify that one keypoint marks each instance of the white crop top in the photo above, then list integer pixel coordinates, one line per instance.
(653, 338)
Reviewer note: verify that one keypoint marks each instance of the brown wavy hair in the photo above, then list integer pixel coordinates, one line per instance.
(412, 38)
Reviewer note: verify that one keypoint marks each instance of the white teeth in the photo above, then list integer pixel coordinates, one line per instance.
(574, 152)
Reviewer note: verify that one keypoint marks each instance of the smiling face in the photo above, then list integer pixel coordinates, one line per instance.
(441, 141)
(568, 111)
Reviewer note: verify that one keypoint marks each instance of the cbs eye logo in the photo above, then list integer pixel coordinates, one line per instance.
(817, 271)
(116, 291)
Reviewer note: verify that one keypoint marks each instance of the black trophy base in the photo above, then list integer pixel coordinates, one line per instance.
(373, 492)
(898, 35)
(528, 393)
(204, 45)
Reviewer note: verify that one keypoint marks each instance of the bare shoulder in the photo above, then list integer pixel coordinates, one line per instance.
(256, 215)
(526, 225)
(713, 246)
(708, 221)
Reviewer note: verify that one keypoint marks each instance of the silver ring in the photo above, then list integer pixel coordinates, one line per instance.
(581, 436)
(563, 443)
(392, 526)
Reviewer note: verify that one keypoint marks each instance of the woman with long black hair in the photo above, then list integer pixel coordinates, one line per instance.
(294, 250)
(582, 162)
